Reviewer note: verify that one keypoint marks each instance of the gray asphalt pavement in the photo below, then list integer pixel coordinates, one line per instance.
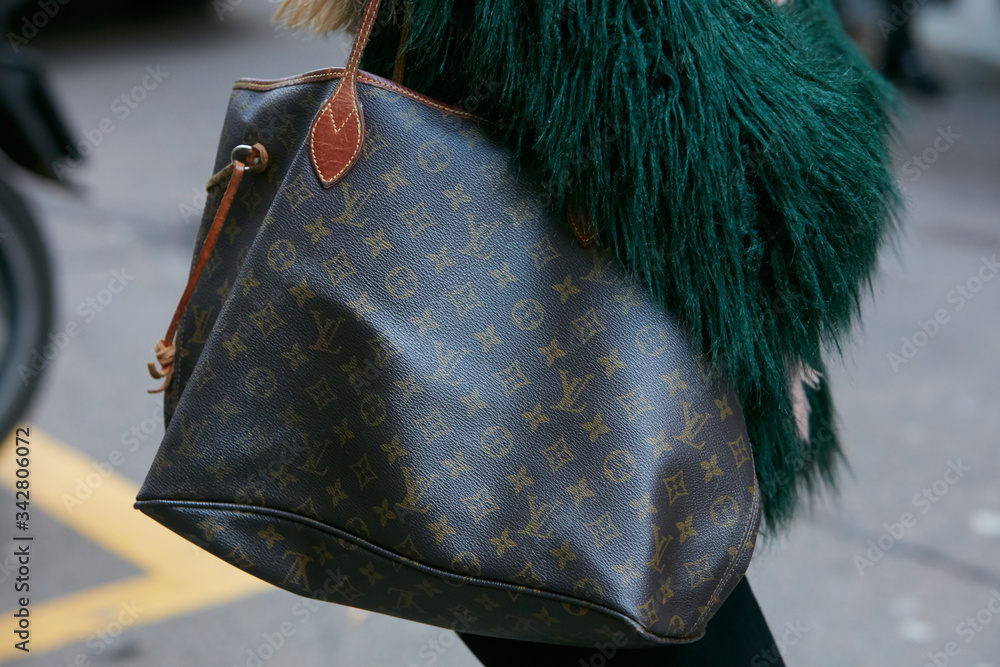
(901, 568)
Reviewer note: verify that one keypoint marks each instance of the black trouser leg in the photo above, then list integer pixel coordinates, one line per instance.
(737, 636)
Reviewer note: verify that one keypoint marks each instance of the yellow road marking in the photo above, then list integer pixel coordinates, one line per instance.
(179, 577)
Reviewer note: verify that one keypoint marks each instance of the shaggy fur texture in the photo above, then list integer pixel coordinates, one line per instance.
(733, 153)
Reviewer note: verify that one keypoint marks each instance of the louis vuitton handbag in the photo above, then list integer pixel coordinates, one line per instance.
(396, 381)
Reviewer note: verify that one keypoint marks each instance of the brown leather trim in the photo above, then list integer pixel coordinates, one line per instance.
(337, 133)
(249, 83)
(583, 228)
(374, 80)
(164, 349)
(263, 85)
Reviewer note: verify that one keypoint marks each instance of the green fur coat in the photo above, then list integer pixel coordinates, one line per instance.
(733, 153)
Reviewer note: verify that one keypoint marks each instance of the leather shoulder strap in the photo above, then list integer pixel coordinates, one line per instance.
(338, 131)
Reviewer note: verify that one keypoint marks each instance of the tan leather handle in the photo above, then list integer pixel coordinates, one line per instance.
(338, 131)
(399, 66)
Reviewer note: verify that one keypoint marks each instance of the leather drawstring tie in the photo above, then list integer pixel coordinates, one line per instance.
(256, 157)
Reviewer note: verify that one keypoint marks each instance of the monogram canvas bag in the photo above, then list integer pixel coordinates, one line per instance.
(399, 382)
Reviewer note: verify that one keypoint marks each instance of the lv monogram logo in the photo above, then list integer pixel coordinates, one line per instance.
(297, 572)
(572, 388)
(326, 329)
(351, 206)
(416, 487)
(191, 433)
(479, 236)
(315, 455)
(660, 542)
(406, 599)
(447, 361)
(693, 423)
(539, 513)
(201, 325)
(600, 272)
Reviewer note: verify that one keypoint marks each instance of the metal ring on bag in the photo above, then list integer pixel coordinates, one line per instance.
(254, 157)
(241, 147)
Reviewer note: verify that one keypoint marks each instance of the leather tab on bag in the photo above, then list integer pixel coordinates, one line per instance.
(337, 134)
(338, 131)
(583, 228)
